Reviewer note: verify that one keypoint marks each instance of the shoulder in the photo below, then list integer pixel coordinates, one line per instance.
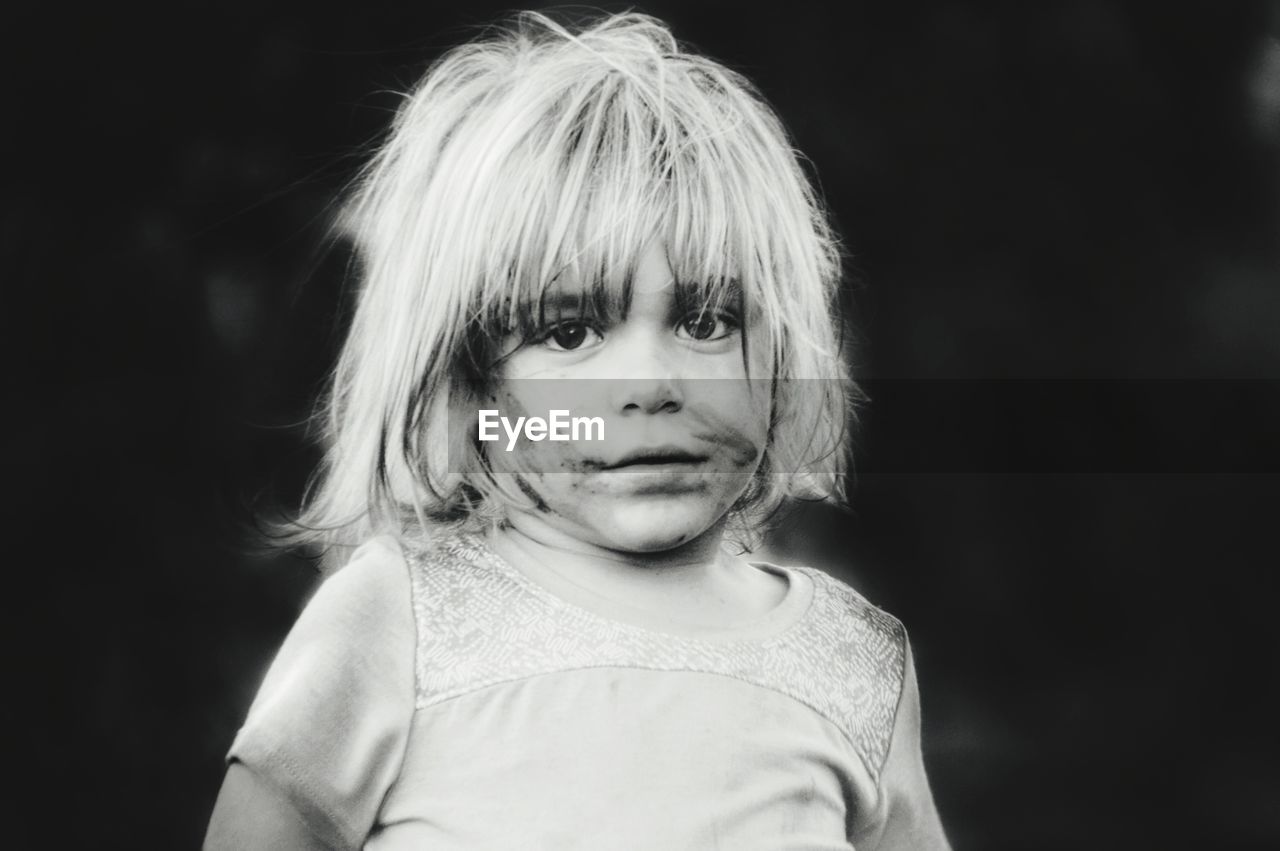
(360, 613)
(377, 562)
(354, 640)
(420, 589)
(880, 637)
(328, 727)
(452, 581)
(438, 558)
(864, 657)
(467, 609)
(364, 597)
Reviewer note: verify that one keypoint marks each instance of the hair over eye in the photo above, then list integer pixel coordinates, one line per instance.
(707, 325)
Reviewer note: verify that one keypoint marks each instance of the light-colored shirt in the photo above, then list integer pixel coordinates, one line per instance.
(432, 696)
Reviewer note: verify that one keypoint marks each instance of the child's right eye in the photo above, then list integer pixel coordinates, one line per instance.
(569, 336)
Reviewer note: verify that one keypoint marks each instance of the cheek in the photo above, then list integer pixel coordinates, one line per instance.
(546, 462)
(537, 398)
(743, 445)
(739, 427)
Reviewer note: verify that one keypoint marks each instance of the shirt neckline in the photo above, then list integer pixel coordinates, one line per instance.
(789, 612)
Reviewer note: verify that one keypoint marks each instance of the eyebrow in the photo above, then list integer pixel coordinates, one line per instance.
(559, 300)
(533, 312)
(727, 291)
(600, 301)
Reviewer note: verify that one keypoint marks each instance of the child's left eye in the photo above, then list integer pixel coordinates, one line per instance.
(707, 325)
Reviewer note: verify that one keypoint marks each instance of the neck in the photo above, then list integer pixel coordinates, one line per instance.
(693, 587)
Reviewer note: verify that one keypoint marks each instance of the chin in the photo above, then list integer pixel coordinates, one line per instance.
(655, 541)
(646, 529)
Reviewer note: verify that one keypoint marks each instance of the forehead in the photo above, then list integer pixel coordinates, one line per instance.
(651, 272)
(648, 271)
(620, 193)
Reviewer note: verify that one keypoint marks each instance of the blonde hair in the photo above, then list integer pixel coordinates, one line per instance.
(537, 153)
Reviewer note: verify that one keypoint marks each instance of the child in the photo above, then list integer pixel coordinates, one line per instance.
(544, 642)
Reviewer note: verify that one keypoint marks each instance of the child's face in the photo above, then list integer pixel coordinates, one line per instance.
(684, 428)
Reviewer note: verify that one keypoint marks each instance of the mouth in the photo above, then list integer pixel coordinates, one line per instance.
(661, 456)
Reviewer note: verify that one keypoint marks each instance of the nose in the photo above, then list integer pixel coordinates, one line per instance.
(649, 396)
(647, 378)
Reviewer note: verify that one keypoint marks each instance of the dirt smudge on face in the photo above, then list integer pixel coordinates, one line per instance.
(741, 447)
(528, 490)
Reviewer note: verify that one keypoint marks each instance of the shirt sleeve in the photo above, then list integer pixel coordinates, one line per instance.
(906, 818)
(330, 724)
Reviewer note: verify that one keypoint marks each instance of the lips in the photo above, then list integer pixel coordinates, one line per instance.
(655, 457)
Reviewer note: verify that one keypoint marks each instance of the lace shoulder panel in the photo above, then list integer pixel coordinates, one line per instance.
(479, 625)
(867, 664)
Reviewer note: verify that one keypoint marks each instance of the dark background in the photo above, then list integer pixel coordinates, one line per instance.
(1063, 220)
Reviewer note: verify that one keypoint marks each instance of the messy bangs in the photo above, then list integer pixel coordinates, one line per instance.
(610, 164)
(539, 162)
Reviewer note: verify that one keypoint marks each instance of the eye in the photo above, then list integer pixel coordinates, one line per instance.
(707, 325)
(569, 335)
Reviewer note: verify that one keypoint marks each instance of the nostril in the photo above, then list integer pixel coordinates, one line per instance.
(649, 396)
